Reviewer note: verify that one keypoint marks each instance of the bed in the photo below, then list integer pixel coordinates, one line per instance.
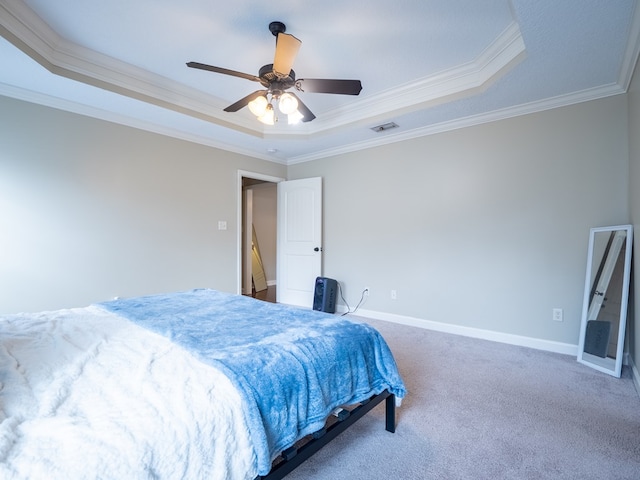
(196, 384)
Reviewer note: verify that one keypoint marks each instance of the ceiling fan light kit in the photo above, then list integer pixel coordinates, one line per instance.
(277, 77)
(262, 108)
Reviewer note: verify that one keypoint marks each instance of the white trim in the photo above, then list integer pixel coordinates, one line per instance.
(532, 107)
(479, 119)
(519, 340)
(94, 112)
(635, 374)
(62, 57)
(43, 44)
(451, 84)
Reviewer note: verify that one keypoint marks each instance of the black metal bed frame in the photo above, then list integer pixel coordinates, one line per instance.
(293, 457)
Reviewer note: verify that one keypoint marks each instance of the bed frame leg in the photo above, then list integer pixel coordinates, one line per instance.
(293, 457)
(390, 413)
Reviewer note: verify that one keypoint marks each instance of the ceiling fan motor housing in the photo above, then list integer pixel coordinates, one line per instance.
(274, 82)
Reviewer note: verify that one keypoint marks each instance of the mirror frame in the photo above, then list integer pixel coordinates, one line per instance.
(616, 368)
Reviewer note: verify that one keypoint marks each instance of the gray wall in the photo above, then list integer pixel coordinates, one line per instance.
(633, 335)
(90, 210)
(485, 227)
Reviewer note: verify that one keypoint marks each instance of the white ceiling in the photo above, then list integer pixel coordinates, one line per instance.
(427, 65)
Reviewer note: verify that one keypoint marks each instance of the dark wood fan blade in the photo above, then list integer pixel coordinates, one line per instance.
(307, 115)
(319, 85)
(243, 102)
(224, 71)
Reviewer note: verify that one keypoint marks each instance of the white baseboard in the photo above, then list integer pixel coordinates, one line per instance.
(537, 343)
(635, 374)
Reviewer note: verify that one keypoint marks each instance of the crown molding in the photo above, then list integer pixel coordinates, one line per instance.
(100, 114)
(452, 84)
(493, 116)
(22, 27)
(524, 109)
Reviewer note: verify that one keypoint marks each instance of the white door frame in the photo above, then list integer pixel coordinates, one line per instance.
(247, 239)
(239, 202)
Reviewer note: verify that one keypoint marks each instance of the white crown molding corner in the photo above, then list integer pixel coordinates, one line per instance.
(35, 38)
(452, 84)
(632, 50)
(24, 27)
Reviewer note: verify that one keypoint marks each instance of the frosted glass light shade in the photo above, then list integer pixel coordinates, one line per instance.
(287, 103)
(294, 117)
(258, 106)
(268, 117)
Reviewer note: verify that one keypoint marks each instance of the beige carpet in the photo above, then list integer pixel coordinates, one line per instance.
(484, 410)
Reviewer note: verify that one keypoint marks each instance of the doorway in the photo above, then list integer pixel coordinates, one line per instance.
(257, 225)
(296, 229)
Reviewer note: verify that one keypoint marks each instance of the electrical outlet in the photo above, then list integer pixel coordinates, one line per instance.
(557, 314)
(394, 295)
(367, 291)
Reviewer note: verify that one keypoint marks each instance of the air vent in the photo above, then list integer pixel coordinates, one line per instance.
(384, 127)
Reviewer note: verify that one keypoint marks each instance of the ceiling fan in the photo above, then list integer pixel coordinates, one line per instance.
(277, 78)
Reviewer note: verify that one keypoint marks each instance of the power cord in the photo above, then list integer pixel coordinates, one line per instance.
(345, 302)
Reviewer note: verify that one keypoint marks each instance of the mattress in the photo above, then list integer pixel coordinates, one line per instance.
(197, 384)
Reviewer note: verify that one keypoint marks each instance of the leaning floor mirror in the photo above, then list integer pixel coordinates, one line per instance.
(604, 309)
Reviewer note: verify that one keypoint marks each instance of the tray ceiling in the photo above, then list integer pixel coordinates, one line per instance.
(425, 66)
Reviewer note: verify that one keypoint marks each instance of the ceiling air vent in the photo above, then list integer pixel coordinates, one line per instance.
(384, 127)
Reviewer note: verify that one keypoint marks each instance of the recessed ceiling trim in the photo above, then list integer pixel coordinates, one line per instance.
(33, 36)
(100, 114)
(532, 107)
(525, 109)
(23, 28)
(452, 84)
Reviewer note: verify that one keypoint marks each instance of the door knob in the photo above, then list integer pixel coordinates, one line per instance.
(317, 249)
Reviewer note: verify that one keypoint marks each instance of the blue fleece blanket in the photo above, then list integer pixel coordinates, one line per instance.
(293, 366)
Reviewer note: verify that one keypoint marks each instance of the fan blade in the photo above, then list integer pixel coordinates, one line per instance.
(243, 102)
(307, 115)
(287, 47)
(224, 71)
(319, 85)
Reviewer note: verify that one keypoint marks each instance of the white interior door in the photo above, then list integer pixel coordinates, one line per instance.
(299, 240)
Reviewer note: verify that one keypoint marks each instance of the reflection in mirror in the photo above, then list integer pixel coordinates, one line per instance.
(604, 309)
